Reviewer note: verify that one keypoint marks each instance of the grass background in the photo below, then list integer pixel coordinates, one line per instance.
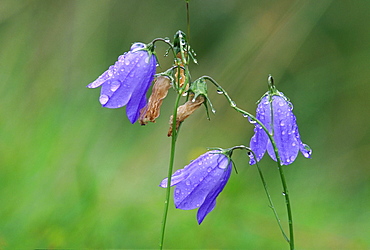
(75, 175)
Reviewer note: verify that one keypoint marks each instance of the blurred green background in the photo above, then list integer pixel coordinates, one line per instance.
(76, 175)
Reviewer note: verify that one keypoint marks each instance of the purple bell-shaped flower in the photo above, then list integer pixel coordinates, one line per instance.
(127, 81)
(284, 127)
(199, 183)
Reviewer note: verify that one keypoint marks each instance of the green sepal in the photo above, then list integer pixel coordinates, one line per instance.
(199, 87)
(272, 91)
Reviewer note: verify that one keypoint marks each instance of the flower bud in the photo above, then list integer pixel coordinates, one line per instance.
(159, 91)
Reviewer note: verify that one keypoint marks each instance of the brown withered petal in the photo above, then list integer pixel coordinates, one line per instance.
(185, 110)
(151, 111)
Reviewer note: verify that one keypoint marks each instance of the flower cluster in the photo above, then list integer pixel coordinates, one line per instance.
(198, 184)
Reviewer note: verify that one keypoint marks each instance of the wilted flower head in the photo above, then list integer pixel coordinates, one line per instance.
(127, 81)
(159, 91)
(285, 130)
(199, 183)
(185, 110)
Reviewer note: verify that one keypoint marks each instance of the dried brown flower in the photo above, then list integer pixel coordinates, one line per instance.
(185, 110)
(159, 91)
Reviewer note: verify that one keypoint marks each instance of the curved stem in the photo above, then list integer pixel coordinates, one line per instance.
(266, 190)
(278, 160)
(270, 200)
(167, 41)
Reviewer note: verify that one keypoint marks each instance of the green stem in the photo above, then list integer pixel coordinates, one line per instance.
(270, 200)
(188, 20)
(175, 133)
(170, 170)
(282, 176)
(278, 160)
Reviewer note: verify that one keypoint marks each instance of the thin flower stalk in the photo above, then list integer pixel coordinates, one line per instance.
(175, 131)
(278, 160)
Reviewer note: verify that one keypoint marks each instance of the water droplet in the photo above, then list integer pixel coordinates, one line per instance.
(281, 104)
(284, 193)
(209, 169)
(293, 144)
(292, 158)
(282, 132)
(282, 123)
(198, 205)
(308, 151)
(115, 85)
(103, 99)
(127, 62)
(245, 115)
(188, 182)
(233, 104)
(219, 91)
(137, 46)
(201, 179)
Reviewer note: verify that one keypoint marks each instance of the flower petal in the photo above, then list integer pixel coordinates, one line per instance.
(259, 140)
(183, 173)
(142, 80)
(101, 79)
(304, 148)
(210, 201)
(192, 191)
(285, 139)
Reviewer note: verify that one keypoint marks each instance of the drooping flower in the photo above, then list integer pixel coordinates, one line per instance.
(127, 81)
(283, 124)
(199, 183)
